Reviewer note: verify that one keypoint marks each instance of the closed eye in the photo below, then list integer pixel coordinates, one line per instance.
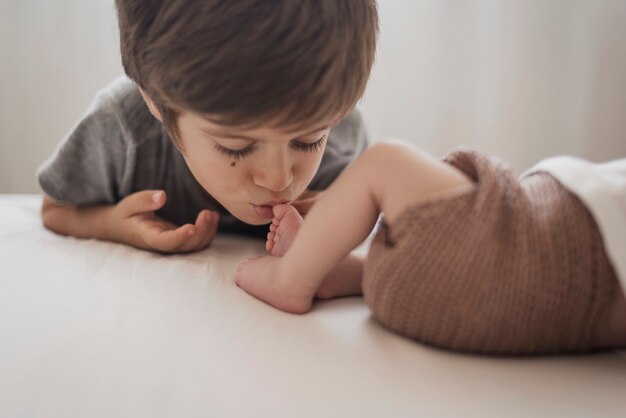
(235, 154)
(244, 152)
(311, 147)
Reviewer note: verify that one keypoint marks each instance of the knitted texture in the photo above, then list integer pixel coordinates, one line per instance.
(511, 267)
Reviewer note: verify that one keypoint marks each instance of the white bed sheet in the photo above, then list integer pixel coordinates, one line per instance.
(96, 329)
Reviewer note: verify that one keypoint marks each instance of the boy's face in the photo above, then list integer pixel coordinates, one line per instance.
(249, 170)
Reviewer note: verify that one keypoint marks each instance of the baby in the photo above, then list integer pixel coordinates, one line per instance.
(467, 257)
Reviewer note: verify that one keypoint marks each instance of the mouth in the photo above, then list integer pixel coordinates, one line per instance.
(274, 203)
(265, 211)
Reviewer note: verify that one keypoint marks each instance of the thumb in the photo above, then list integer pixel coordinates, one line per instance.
(143, 201)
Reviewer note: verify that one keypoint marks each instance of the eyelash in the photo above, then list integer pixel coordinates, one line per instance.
(237, 155)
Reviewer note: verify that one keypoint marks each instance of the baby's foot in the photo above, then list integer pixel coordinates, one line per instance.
(283, 230)
(260, 277)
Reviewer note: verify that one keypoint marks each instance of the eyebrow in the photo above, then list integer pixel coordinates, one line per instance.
(248, 138)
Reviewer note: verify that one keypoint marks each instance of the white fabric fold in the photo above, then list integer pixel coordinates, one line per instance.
(602, 188)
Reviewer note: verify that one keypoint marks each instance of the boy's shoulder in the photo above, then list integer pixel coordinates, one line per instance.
(117, 148)
(120, 107)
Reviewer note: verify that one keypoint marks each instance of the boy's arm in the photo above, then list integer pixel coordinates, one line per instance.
(87, 222)
(132, 221)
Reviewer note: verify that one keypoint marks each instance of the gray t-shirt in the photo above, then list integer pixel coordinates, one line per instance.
(119, 148)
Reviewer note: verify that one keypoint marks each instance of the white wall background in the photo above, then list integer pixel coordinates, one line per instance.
(520, 79)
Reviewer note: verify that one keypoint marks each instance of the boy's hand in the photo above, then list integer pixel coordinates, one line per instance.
(133, 222)
(305, 201)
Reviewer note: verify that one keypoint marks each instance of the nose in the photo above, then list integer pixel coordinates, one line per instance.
(275, 176)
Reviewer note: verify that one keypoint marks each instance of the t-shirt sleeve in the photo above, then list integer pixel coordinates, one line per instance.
(90, 164)
(346, 141)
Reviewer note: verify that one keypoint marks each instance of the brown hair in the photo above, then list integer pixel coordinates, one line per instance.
(240, 62)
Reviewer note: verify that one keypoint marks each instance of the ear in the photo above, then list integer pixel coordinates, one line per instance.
(153, 109)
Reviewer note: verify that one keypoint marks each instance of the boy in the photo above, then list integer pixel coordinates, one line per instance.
(229, 113)
(468, 258)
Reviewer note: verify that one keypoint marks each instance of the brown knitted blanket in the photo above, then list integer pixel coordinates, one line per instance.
(511, 267)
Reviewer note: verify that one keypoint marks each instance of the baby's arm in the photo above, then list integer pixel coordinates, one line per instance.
(132, 221)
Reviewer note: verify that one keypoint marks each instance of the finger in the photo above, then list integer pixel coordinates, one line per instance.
(206, 224)
(194, 242)
(214, 227)
(209, 230)
(142, 202)
(167, 241)
(211, 222)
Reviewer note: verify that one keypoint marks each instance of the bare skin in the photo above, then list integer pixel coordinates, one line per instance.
(344, 280)
(351, 205)
(277, 166)
(283, 229)
(133, 221)
(289, 280)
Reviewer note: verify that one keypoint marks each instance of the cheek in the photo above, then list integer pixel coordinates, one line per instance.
(214, 172)
(310, 164)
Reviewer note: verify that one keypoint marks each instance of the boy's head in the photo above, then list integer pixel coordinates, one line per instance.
(294, 66)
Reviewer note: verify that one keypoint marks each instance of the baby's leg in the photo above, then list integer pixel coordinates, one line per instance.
(401, 175)
(343, 280)
(386, 178)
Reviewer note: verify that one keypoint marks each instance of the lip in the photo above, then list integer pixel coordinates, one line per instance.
(265, 211)
(274, 203)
